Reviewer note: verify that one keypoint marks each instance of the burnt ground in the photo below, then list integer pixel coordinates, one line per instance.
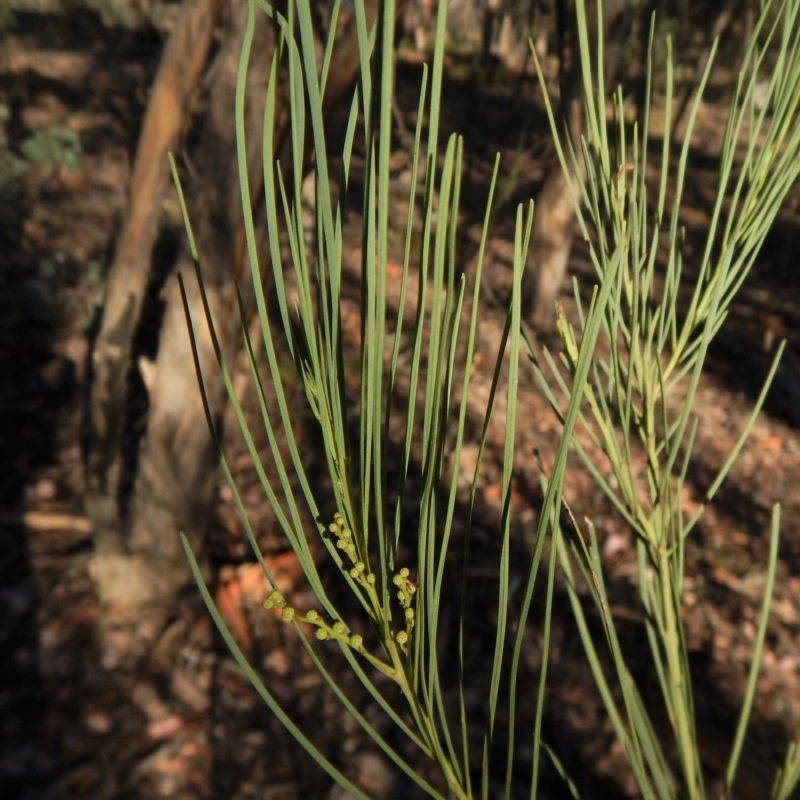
(185, 724)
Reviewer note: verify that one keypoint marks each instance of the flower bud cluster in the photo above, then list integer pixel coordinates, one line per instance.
(337, 631)
(275, 600)
(406, 589)
(344, 537)
(325, 631)
(359, 572)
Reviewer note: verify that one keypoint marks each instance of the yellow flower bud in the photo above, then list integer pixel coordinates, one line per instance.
(274, 600)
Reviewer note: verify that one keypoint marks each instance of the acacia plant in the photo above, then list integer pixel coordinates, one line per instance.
(394, 539)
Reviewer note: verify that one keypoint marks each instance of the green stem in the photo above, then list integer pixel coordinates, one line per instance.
(681, 709)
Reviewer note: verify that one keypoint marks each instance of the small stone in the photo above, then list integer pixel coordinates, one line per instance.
(165, 727)
(45, 489)
(98, 722)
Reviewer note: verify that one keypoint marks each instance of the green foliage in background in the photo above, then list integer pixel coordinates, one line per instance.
(394, 539)
(51, 146)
